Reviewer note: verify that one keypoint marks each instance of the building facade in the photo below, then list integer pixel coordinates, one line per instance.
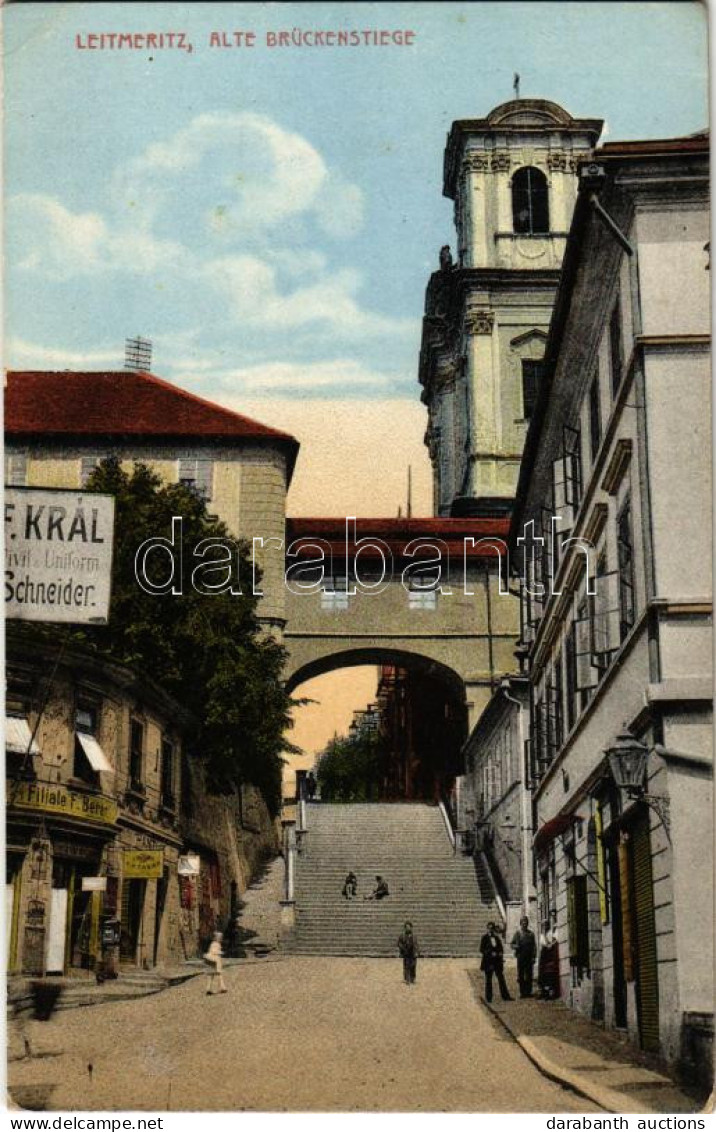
(512, 177)
(613, 525)
(105, 822)
(495, 800)
(59, 425)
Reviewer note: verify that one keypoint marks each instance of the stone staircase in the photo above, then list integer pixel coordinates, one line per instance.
(408, 845)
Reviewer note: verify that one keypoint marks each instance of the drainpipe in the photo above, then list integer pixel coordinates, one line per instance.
(525, 802)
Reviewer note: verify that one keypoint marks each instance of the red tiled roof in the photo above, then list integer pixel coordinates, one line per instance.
(119, 403)
(398, 533)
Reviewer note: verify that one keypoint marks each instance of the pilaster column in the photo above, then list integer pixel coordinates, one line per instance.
(472, 183)
(479, 325)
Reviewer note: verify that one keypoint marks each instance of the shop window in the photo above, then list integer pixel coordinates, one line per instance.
(530, 202)
(136, 755)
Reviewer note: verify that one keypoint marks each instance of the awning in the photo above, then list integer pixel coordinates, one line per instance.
(95, 755)
(552, 829)
(18, 736)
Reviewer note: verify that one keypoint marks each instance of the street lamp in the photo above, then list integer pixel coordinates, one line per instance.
(628, 759)
(627, 762)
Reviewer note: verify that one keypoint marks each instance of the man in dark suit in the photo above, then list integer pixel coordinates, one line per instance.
(524, 946)
(493, 963)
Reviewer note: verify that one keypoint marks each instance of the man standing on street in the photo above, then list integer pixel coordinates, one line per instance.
(524, 946)
(408, 948)
(493, 963)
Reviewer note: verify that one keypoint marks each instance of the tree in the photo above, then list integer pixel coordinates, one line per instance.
(207, 650)
(350, 769)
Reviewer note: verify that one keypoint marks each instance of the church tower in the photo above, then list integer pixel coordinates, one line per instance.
(512, 177)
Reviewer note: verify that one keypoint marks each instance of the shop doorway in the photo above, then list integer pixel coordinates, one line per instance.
(644, 928)
(131, 944)
(618, 975)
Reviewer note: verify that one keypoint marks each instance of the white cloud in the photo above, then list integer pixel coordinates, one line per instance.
(252, 289)
(20, 354)
(58, 243)
(346, 376)
(244, 173)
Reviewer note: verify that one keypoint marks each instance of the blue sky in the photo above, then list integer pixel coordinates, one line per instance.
(269, 217)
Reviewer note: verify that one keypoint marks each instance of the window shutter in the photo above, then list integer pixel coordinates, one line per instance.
(572, 460)
(204, 477)
(583, 653)
(605, 637)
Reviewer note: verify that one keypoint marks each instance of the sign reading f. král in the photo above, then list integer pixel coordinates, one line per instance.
(58, 555)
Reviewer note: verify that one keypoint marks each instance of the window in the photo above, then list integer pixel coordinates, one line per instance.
(595, 418)
(540, 758)
(570, 671)
(89, 758)
(197, 474)
(167, 775)
(604, 612)
(136, 755)
(572, 475)
(419, 598)
(88, 464)
(16, 469)
(530, 205)
(625, 558)
(616, 349)
(582, 627)
(531, 376)
(555, 721)
(334, 594)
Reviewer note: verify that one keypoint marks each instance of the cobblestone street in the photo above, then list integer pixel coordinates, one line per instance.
(297, 1034)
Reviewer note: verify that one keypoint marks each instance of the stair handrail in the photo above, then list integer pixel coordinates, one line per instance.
(448, 824)
(496, 893)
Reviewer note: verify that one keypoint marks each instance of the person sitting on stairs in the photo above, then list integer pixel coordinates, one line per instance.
(380, 891)
(350, 886)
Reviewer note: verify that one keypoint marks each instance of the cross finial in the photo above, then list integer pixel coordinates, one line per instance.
(516, 85)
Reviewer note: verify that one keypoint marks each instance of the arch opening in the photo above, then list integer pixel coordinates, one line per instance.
(530, 202)
(404, 740)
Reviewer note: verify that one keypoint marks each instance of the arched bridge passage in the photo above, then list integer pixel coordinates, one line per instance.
(470, 632)
(423, 720)
(376, 656)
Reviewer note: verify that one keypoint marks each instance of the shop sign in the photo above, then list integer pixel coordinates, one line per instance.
(189, 865)
(111, 932)
(58, 555)
(143, 864)
(57, 799)
(94, 884)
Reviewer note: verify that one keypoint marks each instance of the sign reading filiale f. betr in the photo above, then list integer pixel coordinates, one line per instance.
(58, 555)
